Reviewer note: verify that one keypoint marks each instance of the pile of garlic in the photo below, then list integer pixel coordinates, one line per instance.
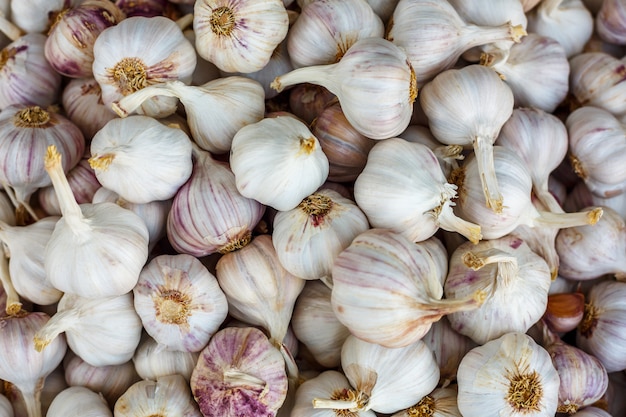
(312, 208)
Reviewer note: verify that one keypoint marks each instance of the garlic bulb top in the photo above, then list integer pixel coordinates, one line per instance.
(374, 82)
(511, 376)
(446, 101)
(609, 22)
(239, 36)
(78, 402)
(123, 63)
(82, 101)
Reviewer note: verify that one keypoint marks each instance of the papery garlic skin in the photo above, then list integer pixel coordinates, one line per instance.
(141, 159)
(152, 360)
(82, 101)
(124, 63)
(277, 162)
(511, 376)
(239, 36)
(78, 402)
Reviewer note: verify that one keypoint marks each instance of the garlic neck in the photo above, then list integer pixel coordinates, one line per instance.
(10, 30)
(135, 98)
(447, 220)
(472, 35)
(483, 148)
(508, 268)
(316, 74)
(58, 323)
(564, 220)
(548, 7)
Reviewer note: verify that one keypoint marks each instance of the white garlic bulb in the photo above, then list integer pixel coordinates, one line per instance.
(239, 36)
(124, 63)
(35, 15)
(511, 376)
(124, 151)
(277, 162)
(610, 23)
(468, 107)
(152, 360)
(79, 402)
(402, 188)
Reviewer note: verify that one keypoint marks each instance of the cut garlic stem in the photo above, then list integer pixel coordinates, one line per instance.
(508, 267)
(128, 104)
(447, 220)
(483, 148)
(13, 304)
(316, 74)
(236, 378)
(9, 29)
(335, 404)
(57, 324)
(563, 220)
(442, 307)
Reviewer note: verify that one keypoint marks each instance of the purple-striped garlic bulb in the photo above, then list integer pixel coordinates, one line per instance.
(83, 105)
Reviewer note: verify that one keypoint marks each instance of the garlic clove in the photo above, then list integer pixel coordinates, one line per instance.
(564, 311)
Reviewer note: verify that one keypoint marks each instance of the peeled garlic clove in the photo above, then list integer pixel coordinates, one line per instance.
(511, 376)
(239, 373)
(439, 403)
(277, 162)
(153, 360)
(374, 82)
(402, 188)
(239, 36)
(564, 311)
(124, 151)
(82, 101)
(78, 402)
(168, 395)
(124, 62)
(611, 22)
(388, 290)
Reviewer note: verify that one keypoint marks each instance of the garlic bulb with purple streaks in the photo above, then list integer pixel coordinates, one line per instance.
(82, 101)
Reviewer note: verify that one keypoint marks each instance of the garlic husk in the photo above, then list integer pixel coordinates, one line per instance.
(37, 15)
(588, 252)
(325, 30)
(316, 326)
(567, 21)
(331, 385)
(153, 360)
(374, 82)
(389, 379)
(445, 101)
(402, 188)
(96, 250)
(6, 409)
(520, 66)
(388, 289)
(82, 101)
(448, 155)
(239, 373)
(277, 162)
(502, 268)
(180, 302)
(21, 364)
(138, 52)
(511, 376)
(167, 396)
(110, 380)
(564, 311)
(307, 101)
(580, 197)
(441, 402)
(235, 102)
(25, 247)
(26, 76)
(610, 23)
(103, 331)
(208, 213)
(599, 333)
(309, 237)
(79, 402)
(258, 289)
(69, 46)
(434, 35)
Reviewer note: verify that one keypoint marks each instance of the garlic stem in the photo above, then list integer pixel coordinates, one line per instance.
(315, 74)
(58, 323)
(128, 104)
(548, 200)
(508, 267)
(13, 304)
(563, 220)
(335, 404)
(9, 29)
(483, 148)
(442, 307)
(450, 153)
(236, 378)
(472, 36)
(20, 205)
(32, 398)
(184, 21)
(447, 220)
(549, 6)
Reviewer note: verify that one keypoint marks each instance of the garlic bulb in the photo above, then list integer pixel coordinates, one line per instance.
(6, 410)
(600, 167)
(110, 380)
(309, 237)
(124, 63)
(307, 101)
(610, 23)
(179, 302)
(239, 373)
(511, 376)
(434, 35)
(239, 36)
(580, 196)
(235, 102)
(388, 290)
(123, 151)
(439, 403)
(374, 82)
(277, 162)
(26, 77)
(82, 102)
(78, 402)
(316, 326)
(520, 68)
(167, 396)
(69, 46)
(102, 331)
(258, 289)
(502, 268)
(597, 80)
(152, 360)
(567, 21)
(208, 214)
(325, 30)
(402, 188)
(36, 15)
(446, 101)
(592, 412)
(22, 365)
(530, 129)
(96, 250)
